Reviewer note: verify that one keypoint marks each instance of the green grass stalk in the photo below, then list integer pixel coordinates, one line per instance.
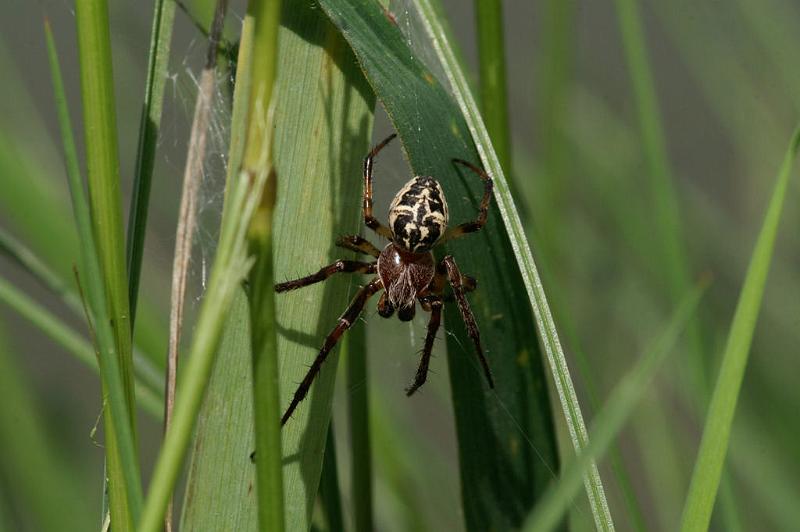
(492, 64)
(148, 377)
(554, 78)
(719, 419)
(265, 15)
(147, 394)
(675, 263)
(123, 466)
(149, 126)
(230, 268)
(187, 215)
(102, 164)
(231, 265)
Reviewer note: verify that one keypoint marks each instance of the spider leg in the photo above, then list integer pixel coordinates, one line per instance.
(346, 266)
(468, 283)
(433, 327)
(358, 244)
(483, 210)
(457, 282)
(369, 219)
(346, 320)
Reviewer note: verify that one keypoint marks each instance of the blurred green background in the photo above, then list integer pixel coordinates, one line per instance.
(728, 87)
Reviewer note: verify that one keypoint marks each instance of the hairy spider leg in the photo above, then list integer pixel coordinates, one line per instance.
(468, 283)
(369, 219)
(430, 337)
(358, 244)
(457, 282)
(483, 210)
(346, 320)
(340, 266)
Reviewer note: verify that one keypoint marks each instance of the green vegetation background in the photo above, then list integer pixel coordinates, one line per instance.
(728, 91)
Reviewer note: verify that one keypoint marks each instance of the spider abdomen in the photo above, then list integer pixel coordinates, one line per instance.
(418, 215)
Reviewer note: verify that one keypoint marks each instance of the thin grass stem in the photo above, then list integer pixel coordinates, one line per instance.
(147, 395)
(611, 418)
(103, 178)
(123, 465)
(492, 65)
(149, 127)
(187, 217)
(719, 419)
(231, 266)
(257, 160)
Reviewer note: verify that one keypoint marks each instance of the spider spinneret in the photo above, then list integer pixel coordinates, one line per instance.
(406, 268)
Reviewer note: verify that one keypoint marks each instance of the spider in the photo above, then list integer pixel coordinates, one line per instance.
(406, 269)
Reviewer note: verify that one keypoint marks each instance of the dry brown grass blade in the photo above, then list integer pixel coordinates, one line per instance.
(187, 217)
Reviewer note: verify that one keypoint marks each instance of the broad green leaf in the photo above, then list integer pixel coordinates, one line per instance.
(506, 439)
(719, 418)
(323, 117)
(220, 490)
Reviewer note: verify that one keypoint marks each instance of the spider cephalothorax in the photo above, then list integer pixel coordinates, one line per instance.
(403, 275)
(406, 267)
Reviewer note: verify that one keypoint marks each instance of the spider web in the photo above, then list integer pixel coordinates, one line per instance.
(181, 93)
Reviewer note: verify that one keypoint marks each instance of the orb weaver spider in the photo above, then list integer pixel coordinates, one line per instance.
(405, 268)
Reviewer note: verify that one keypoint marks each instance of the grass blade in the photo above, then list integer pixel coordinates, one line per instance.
(355, 351)
(719, 419)
(220, 487)
(148, 377)
(510, 430)
(492, 62)
(323, 120)
(149, 127)
(148, 391)
(611, 418)
(662, 192)
(258, 160)
(230, 267)
(220, 469)
(102, 164)
(329, 494)
(553, 70)
(187, 216)
(524, 258)
(123, 465)
(36, 267)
